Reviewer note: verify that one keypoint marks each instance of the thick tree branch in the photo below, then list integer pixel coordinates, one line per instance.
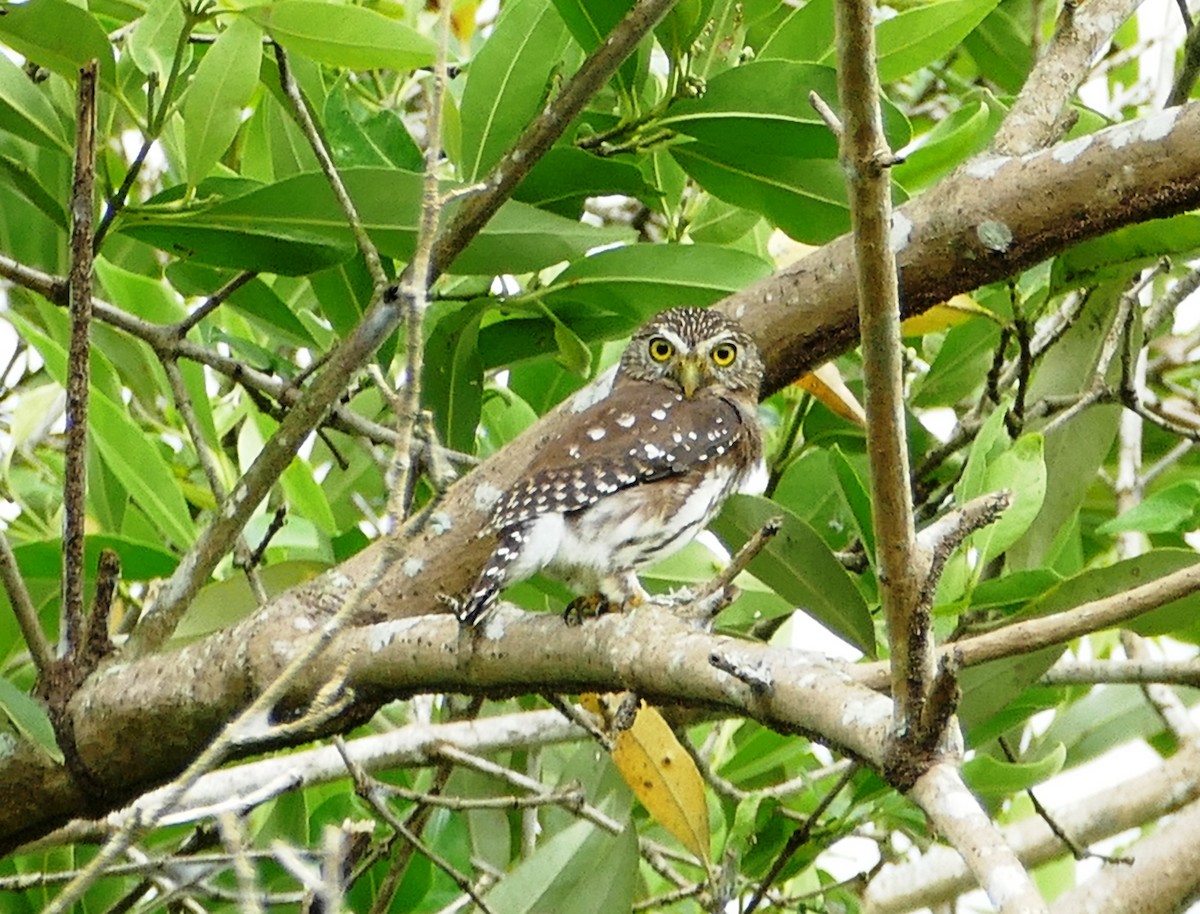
(1040, 116)
(940, 874)
(1050, 200)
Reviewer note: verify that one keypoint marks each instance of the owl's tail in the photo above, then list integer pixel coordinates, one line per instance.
(493, 578)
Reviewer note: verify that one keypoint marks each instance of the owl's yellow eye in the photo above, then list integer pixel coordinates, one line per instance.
(661, 349)
(724, 354)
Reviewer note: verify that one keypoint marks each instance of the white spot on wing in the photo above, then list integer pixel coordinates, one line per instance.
(595, 433)
(659, 414)
(626, 420)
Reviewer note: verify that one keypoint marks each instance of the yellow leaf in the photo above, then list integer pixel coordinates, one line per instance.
(957, 310)
(664, 777)
(827, 386)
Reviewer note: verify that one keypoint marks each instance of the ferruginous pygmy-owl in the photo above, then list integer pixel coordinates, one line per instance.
(637, 475)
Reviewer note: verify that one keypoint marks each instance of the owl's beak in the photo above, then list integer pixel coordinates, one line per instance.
(691, 374)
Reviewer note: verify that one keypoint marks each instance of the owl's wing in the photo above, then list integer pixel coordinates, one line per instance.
(638, 434)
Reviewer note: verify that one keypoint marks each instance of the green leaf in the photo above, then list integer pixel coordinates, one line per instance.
(1022, 471)
(565, 177)
(212, 109)
(379, 139)
(682, 26)
(1001, 46)
(124, 447)
(1118, 253)
(23, 181)
(140, 561)
(803, 33)
(804, 197)
(304, 495)
(640, 280)
(920, 36)
(295, 226)
(30, 719)
(452, 383)
(26, 110)
(155, 38)
(854, 491)
(590, 21)
(764, 106)
(509, 81)
(951, 142)
(582, 869)
(344, 36)
(800, 567)
(1170, 510)
(60, 36)
(994, 779)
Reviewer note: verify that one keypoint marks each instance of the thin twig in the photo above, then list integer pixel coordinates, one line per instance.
(797, 839)
(366, 247)
(1077, 851)
(78, 373)
(214, 301)
(208, 463)
(413, 288)
(24, 610)
(524, 782)
(715, 595)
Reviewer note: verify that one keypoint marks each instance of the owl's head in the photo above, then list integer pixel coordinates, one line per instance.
(691, 350)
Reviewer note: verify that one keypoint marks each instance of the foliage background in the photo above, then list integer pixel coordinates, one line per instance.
(227, 271)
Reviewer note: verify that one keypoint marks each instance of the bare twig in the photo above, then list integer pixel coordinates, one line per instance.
(719, 591)
(413, 288)
(366, 247)
(1030, 635)
(78, 362)
(214, 301)
(797, 839)
(208, 462)
(1185, 80)
(902, 568)
(1090, 672)
(24, 610)
(524, 782)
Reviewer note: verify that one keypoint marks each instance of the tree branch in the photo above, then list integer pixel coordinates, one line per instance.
(79, 287)
(1039, 116)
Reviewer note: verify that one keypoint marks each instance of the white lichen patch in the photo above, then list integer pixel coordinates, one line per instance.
(486, 495)
(412, 566)
(440, 522)
(1066, 153)
(1148, 129)
(901, 232)
(986, 167)
(1005, 883)
(384, 633)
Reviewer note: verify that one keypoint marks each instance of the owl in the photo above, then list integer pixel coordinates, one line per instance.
(634, 477)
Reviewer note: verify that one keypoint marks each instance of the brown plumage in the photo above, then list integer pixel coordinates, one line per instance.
(636, 476)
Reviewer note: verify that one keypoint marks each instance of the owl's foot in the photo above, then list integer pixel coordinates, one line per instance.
(588, 607)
